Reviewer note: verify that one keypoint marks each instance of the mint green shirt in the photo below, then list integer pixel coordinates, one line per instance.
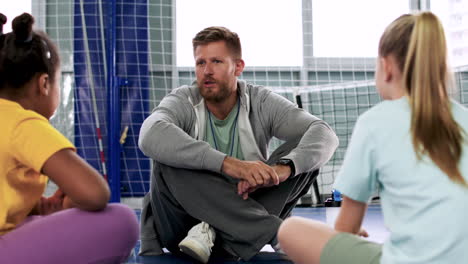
(423, 209)
(223, 135)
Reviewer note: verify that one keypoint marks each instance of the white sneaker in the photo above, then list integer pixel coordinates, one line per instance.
(198, 242)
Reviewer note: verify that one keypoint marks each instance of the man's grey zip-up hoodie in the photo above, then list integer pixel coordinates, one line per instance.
(173, 134)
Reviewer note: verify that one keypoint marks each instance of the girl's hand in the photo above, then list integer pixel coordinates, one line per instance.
(68, 203)
(362, 233)
(57, 202)
(50, 205)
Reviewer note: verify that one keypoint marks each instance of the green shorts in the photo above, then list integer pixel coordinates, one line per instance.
(350, 249)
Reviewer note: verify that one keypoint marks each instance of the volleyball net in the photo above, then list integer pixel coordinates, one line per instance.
(120, 58)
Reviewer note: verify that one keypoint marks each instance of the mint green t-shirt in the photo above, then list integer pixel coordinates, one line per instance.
(223, 135)
(423, 209)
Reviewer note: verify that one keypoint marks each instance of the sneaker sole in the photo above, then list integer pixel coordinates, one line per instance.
(189, 248)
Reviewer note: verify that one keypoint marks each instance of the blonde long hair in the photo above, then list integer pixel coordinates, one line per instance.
(419, 46)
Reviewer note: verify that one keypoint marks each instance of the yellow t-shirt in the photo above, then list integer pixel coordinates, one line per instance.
(26, 143)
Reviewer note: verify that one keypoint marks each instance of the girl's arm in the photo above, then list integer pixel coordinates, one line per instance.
(80, 182)
(350, 217)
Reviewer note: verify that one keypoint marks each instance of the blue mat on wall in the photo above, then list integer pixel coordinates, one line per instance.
(91, 90)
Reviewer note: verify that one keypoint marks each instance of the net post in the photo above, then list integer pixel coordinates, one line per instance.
(315, 184)
(113, 105)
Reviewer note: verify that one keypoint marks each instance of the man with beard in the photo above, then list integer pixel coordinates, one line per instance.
(213, 180)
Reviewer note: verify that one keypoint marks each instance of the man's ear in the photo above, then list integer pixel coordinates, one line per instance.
(43, 84)
(240, 64)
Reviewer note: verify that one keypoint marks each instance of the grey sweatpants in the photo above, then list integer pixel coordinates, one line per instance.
(181, 198)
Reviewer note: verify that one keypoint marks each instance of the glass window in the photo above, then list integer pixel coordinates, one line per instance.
(270, 30)
(454, 17)
(343, 28)
(12, 9)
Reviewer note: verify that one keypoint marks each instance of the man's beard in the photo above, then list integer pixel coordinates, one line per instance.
(223, 92)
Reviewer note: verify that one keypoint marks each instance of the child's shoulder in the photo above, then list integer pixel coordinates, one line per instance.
(384, 108)
(385, 113)
(28, 115)
(14, 114)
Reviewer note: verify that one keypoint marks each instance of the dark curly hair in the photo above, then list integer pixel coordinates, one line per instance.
(24, 53)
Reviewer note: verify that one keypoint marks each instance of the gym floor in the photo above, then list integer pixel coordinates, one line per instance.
(373, 223)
